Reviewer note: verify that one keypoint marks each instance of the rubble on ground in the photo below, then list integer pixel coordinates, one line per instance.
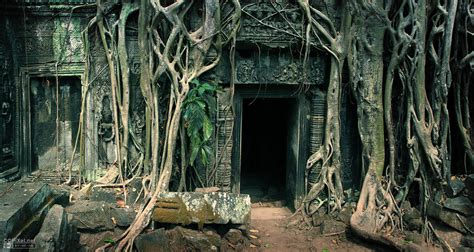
(454, 207)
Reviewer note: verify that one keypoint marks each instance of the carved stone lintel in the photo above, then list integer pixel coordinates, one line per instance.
(279, 71)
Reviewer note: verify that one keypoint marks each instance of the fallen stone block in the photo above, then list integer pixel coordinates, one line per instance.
(154, 241)
(61, 194)
(123, 217)
(468, 241)
(460, 204)
(91, 216)
(94, 240)
(103, 194)
(414, 237)
(202, 208)
(454, 187)
(450, 218)
(182, 239)
(56, 234)
(234, 240)
(463, 249)
(413, 219)
(332, 227)
(23, 207)
(469, 183)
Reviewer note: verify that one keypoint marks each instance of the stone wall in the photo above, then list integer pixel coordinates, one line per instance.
(39, 42)
(45, 34)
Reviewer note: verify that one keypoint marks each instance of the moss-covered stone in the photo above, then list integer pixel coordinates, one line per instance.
(202, 208)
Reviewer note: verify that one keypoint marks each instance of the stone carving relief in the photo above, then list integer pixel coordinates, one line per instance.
(246, 71)
(134, 64)
(279, 71)
(104, 117)
(7, 107)
(273, 23)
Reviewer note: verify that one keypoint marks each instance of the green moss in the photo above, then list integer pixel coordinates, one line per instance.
(67, 44)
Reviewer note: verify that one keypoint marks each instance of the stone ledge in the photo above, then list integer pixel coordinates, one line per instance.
(20, 207)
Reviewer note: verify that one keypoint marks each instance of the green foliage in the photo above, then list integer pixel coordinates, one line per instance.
(197, 110)
(109, 240)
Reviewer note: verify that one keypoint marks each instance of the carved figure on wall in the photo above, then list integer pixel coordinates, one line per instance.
(106, 132)
(6, 113)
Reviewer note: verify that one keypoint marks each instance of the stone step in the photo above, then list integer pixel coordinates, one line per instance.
(23, 207)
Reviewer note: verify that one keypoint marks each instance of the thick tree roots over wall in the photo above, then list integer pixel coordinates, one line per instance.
(404, 60)
(172, 55)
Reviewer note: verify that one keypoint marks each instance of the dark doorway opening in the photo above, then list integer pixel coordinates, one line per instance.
(53, 141)
(265, 147)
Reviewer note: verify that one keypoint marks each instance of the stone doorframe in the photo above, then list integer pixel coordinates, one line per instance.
(23, 127)
(303, 110)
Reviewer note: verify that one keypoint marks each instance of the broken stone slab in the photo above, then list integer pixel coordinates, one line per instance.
(454, 187)
(183, 239)
(332, 227)
(234, 236)
(413, 219)
(103, 194)
(450, 218)
(91, 216)
(154, 241)
(94, 240)
(202, 208)
(234, 240)
(468, 241)
(123, 217)
(414, 237)
(463, 249)
(56, 234)
(469, 183)
(61, 194)
(22, 208)
(460, 204)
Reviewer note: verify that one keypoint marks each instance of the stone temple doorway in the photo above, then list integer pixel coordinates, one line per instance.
(48, 92)
(269, 144)
(55, 108)
(265, 133)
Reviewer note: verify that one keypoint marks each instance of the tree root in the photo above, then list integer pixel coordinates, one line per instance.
(374, 218)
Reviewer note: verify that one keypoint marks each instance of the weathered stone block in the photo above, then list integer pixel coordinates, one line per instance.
(123, 217)
(454, 187)
(182, 239)
(202, 208)
(413, 219)
(450, 218)
(469, 183)
(332, 227)
(20, 207)
(464, 249)
(460, 204)
(234, 236)
(152, 242)
(414, 237)
(56, 234)
(468, 241)
(91, 216)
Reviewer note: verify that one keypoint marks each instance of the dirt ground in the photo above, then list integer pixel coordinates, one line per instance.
(269, 227)
(270, 232)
